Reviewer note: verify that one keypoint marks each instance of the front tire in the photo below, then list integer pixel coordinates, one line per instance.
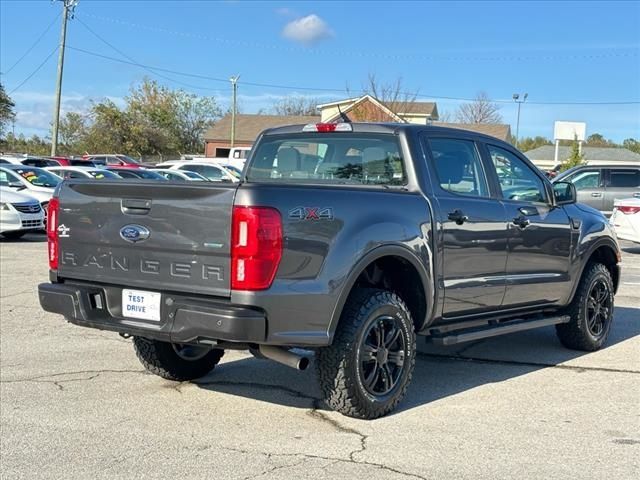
(591, 311)
(174, 361)
(366, 371)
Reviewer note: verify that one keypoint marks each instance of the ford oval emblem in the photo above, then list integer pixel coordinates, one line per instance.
(134, 233)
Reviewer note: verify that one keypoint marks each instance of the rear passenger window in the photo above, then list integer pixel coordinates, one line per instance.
(517, 180)
(585, 179)
(458, 166)
(624, 178)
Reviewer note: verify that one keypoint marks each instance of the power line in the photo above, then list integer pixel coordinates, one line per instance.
(132, 61)
(374, 54)
(33, 45)
(317, 89)
(35, 71)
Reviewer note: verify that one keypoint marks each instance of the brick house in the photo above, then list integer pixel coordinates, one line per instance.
(360, 109)
(248, 127)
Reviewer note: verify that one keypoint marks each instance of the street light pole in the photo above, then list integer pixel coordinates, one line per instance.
(68, 7)
(516, 98)
(234, 107)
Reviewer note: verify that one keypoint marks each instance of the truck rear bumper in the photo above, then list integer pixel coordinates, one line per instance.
(183, 319)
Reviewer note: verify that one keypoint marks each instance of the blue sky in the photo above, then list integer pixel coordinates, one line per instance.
(556, 52)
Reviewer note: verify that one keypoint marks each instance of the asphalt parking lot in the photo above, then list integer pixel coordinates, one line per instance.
(76, 403)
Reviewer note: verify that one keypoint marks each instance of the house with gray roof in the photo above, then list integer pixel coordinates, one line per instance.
(544, 157)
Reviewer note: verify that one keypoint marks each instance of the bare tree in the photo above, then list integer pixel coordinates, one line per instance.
(481, 110)
(391, 94)
(296, 105)
(446, 116)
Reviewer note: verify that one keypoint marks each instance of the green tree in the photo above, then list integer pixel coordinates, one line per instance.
(576, 158)
(598, 140)
(7, 113)
(193, 116)
(529, 143)
(73, 129)
(632, 144)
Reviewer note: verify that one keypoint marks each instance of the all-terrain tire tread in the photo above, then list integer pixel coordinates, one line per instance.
(574, 335)
(338, 388)
(159, 359)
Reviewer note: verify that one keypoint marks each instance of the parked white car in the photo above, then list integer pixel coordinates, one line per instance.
(19, 214)
(14, 158)
(625, 219)
(82, 172)
(33, 181)
(210, 170)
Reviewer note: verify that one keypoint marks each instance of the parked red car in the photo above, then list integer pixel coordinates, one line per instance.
(114, 160)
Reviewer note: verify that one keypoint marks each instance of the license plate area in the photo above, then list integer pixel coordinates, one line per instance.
(141, 304)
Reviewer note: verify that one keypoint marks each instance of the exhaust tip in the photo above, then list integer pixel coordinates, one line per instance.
(303, 363)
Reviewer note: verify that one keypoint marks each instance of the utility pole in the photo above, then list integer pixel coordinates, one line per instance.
(68, 7)
(516, 97)
(234, 107)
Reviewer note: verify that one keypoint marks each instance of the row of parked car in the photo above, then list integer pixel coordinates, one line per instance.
(27, 183)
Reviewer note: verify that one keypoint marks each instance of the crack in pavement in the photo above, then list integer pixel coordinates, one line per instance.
(308, 456)
(315, 413)
(92, 374)
(17, 294)
(579, 369)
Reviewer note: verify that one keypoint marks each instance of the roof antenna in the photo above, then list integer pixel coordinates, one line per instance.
(343, 116)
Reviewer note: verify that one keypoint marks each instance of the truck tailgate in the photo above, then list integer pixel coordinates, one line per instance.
(102, 226)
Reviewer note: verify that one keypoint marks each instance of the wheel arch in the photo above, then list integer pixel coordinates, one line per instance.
(389, 254)
(603, 251)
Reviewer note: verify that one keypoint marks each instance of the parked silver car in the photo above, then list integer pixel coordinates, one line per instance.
(599, 186)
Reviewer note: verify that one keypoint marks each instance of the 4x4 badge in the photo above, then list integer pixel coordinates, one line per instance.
(311, 213)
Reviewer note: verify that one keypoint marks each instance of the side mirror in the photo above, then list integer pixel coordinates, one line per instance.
(564, 193)
(17, 185)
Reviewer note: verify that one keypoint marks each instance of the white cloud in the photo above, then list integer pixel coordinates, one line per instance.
(307, 30)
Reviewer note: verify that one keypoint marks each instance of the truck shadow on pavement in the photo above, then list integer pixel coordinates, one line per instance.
(35, 237)
(440, 372)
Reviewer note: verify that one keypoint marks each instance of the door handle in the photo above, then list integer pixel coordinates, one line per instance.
(596, 194)
(458, 217)
(521, 221)
(636, 195)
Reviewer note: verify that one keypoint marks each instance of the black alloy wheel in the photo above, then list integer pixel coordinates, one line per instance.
(598, 308)
(381, 356)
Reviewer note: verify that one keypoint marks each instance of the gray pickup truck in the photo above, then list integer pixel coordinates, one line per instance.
(346, 240)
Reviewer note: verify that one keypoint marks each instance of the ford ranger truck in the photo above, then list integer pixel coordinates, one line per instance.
(341, 244)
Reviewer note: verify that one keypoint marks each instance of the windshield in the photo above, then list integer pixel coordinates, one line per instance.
(148, 175)
(334, 158)
(236, 172)
(38, 177)
(193, 175)
(102, 174)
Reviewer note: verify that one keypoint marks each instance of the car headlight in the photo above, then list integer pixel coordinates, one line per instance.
(4, 206)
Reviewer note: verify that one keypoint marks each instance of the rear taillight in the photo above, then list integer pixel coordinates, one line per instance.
(256, 247)
(628, 210)
(52, 232)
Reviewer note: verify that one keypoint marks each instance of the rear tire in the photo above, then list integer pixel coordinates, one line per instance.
(176, 362)
(591, 311)
(13, 235)
(366, 371)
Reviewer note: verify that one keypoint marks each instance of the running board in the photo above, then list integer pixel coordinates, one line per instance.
(470, 333)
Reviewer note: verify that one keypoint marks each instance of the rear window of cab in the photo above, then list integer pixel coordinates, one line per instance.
(329, 158)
